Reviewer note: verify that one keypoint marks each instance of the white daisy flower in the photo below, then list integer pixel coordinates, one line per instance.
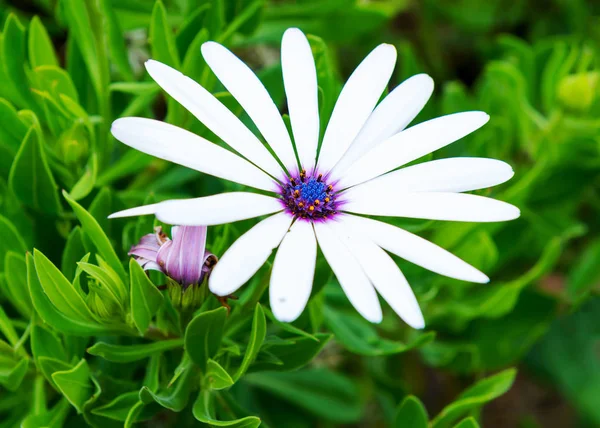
(319, 197)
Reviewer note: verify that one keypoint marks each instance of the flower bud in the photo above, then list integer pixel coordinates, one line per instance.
(184, 259)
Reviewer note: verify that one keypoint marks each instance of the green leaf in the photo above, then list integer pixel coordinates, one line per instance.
(10, 240)
(177, 397)
(109, 284)
(44, 343)
(93, 230)
(203, 336)
(30, 177)
(16, 283)
(161, 37)
(323, 393)
(257, 337)
(12, 378)
(469, 422)
(7, 328)
(293, 353)
(80, 25)
(411, 413)
(584, 274)
(116, 40)
(474, 397)
(119, 408)
(41, 49)
(202, 412)
(146, 299)
(128, 353)
(73, 252)
(86, 182)
(216, 376)
(75, 384)
(12, 129)
(13, 49)
(50, 314)
(360, 337)
(60, 291)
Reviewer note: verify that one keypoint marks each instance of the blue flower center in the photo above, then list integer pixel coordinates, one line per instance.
(309, 197)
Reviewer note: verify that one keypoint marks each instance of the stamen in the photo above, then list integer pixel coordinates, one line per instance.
(308, 196)
(311, 208)
(317, 202)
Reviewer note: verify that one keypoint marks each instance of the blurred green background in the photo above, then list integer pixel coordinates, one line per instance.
(70, 67)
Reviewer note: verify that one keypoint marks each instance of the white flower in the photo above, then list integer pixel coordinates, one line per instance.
(316, 199)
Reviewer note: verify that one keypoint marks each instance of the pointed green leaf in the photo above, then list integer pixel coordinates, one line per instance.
(41, 49)
(44, 343)
(7, 328)
(59, 290)
(109, 284)
(116, 40)
(203, 336)
(359, 336)
(145, 297)
(474, 397)
(73, 252)
(50, 314)
(128, 353)
(10, 240)
(257, 337)
(411, 413)
(325, 394)
(30, 177)
(16, 282)
(75, 384)
(11, 378)
(292, 354)
(216, 376)
(469, 422)
(12, 129)
(87, 181)
(174, 398)
(202, 411)
(93, 230)
(161, 37)
(119, 408)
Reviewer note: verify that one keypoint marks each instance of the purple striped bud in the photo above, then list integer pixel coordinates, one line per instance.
(183, 259)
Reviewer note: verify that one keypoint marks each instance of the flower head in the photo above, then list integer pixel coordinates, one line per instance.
(183, 259)
(321, 196)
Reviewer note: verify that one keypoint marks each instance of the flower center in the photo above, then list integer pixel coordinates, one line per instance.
(309, 196)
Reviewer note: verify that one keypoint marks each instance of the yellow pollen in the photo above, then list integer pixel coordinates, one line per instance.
(327, 200)
(311, 208)
(317, 202)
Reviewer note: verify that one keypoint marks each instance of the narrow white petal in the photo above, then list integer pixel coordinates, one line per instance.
(350, 275)
(386, 277)
(411, 144)
(391, 116)
(209, 210)
(249, 91)
(355, 103)
(177, 145)
(434, 206)
(415, 249)
(212, 113)
(293, 272)
(443, 175)
(248, 254)
(300, 81)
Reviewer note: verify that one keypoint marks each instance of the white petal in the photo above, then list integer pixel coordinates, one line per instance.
(443, 175)
(386, 277)
(350, 275)
(415, 249)
(177, 145)
(212, 113)
(248, 90)
(248, 254)
(293, 272)
(355, 103)
(209, 210)
(391, 116)
(411, 144)
(300, 80)
(434, 206)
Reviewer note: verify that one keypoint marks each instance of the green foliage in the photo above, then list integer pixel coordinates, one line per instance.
(88, 338)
